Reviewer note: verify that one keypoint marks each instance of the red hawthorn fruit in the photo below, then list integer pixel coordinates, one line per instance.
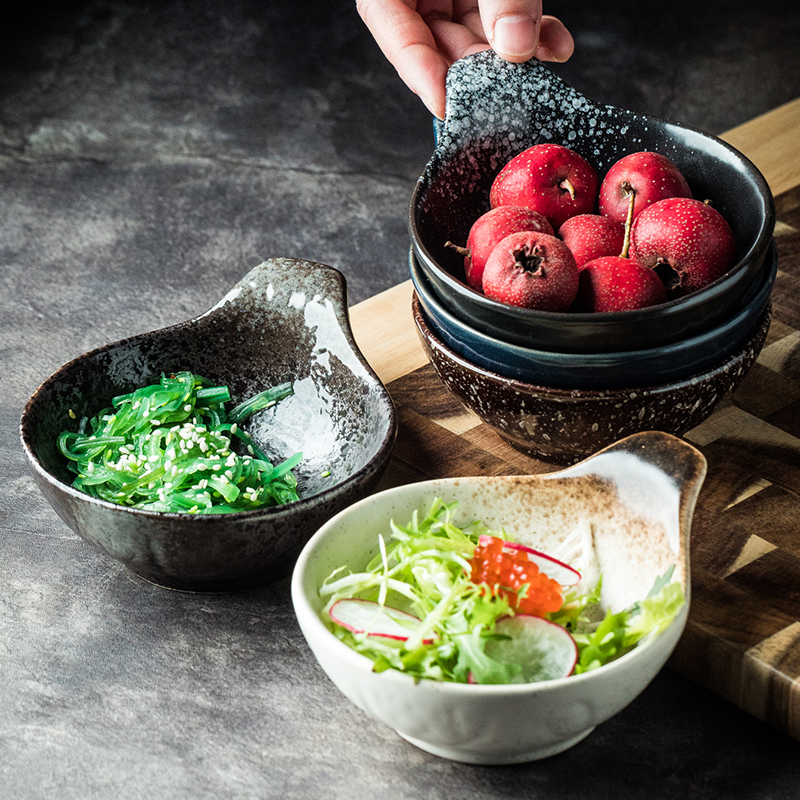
(687, 242)
(489, 229)
(615, 283)
(532, 270)
(549, 178)
(591, 236)
(649, 176)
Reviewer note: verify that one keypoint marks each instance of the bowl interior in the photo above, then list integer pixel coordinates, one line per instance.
(495, 110)
(285, 321)
(637, 497)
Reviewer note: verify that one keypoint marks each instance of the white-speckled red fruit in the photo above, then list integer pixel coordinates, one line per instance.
(614, 283)
(689, 243)
(549, 178)
(591, 236)
(651, 176)
(532, 270)
(491, 228)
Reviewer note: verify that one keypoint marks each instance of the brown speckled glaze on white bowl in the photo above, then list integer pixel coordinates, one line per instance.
(564, 425)
(638, 497)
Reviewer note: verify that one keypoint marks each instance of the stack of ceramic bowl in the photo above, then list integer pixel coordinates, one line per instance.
(562, 385)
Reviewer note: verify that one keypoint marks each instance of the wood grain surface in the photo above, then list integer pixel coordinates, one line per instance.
(743, 636)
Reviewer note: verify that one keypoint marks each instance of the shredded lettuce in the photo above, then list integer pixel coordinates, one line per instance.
(618, 633)
(423, 568)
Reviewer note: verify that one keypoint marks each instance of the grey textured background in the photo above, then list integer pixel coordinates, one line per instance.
(150, 154)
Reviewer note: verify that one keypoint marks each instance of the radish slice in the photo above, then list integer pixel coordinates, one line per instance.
(563, 573)
(544, 650)
(374, 619)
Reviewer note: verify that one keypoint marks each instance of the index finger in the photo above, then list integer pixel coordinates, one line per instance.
(409, 45)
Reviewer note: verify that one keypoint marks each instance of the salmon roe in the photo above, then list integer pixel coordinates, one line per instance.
(506, 570)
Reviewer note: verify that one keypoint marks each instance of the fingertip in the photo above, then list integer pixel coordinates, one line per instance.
(515, 37)
(555, 41)
(428, 81)
(434, 103)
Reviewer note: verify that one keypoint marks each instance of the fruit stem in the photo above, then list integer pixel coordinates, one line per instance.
(462, 251)
(626, 243)
(566, 186)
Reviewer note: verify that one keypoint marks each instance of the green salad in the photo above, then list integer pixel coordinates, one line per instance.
(464, 604)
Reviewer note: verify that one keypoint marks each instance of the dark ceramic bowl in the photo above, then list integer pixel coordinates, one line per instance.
(564, 425)
(494, 111)
(286, 320)
(615, 370)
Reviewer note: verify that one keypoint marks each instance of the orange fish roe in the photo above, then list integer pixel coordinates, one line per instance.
(506, 570)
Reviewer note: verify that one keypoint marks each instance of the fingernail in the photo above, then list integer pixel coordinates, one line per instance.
(515, 35)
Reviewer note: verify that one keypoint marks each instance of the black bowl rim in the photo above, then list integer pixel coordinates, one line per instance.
(374, 465)
(591, 395)
(766, 278)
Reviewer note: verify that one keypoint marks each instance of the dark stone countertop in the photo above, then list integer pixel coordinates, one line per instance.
(150, 154)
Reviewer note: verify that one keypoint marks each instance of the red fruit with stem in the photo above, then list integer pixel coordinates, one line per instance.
(532, 270)
(488, 230)
(550, 179)
(687, 242)
(649, 176)
(591, 236)
(618, 283)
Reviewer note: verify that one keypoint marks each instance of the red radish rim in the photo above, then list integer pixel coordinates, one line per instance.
(386, 609)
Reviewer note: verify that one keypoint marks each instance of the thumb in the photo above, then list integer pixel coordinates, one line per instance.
(512, 27)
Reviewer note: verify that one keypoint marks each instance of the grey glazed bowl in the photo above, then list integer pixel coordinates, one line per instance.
(494, 111)
(615, 370)
(565, 425)
(286, 320)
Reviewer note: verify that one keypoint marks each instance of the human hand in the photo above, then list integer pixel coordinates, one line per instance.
(422, 38)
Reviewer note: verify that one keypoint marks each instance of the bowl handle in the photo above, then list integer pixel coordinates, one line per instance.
(267, 283)
(649, 467)
(487, 97)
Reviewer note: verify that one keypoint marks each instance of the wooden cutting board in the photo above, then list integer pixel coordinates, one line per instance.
(743, 636)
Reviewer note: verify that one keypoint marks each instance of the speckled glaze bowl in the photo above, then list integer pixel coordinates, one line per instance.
(638, 496)
(286, 320)
(495, 110)
(565, 425)
(614, 370)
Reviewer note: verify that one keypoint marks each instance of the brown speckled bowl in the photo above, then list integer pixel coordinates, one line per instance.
(286, 320)
(564, 425)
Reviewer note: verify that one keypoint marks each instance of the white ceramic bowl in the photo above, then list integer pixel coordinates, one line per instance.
(639, 494)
